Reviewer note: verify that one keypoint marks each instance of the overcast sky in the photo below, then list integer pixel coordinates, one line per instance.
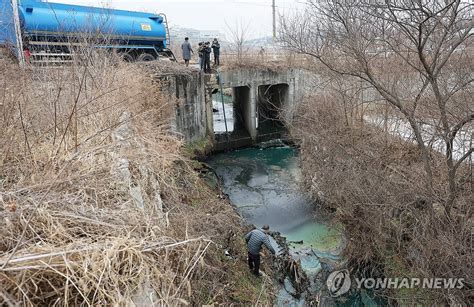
(207, 14)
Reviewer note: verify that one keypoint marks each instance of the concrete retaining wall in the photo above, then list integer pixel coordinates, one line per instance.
(188, 96)
(192, 97)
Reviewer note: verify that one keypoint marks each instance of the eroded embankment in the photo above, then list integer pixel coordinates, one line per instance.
(98, 203)
(375, 182)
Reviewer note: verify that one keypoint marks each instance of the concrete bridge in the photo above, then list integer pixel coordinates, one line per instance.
(260, 98)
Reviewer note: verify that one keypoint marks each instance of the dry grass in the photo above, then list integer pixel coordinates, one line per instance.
(169, 67)
(278, 62)
(97, 204)
(374, 183)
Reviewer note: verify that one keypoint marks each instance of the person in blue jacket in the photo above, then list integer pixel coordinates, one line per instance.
(255, 239)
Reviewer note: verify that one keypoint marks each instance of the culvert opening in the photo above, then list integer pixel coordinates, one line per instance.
(223, 110)
(236, 104)
(271, 100)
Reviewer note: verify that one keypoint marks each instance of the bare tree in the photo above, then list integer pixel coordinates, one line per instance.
(417, 55)
(238, 38)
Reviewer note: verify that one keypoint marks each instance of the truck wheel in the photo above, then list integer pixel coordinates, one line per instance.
(146, 57)
(126, 57)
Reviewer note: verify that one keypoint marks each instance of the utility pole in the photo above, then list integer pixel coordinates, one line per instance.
(274, 21)
(19, 39)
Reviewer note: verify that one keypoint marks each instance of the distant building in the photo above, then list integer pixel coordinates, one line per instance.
(209, 35)
(178, 34)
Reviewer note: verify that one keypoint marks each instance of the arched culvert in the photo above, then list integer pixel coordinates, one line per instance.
(271, 101)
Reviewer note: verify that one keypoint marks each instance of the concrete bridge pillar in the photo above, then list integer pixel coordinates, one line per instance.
(252, 116)
(246, 97)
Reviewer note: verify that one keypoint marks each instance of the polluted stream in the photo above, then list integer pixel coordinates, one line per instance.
(263, 184)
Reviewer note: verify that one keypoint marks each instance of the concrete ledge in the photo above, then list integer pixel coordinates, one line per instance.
(191, 96)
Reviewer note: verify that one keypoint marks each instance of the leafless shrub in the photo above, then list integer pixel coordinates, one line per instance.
(252, 59)
(400, 183)
(373, 180)
(426, 45)
(239, 38)
(95, 194)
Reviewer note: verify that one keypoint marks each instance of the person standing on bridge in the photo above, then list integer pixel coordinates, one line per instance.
(216, 49)
(187, 51)
(207, 57)
(200, 55)
(255, 239)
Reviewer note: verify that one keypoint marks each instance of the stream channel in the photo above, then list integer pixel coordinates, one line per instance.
(264, 185)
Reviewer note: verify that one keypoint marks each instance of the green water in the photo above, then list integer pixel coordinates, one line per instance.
(316, 236)
(264, 185)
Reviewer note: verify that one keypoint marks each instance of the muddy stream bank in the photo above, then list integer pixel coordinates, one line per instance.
(263, 183)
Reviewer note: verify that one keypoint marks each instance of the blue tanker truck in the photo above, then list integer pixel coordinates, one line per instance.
(50, 32)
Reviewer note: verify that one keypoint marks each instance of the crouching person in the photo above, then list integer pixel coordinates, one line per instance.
(255, 239)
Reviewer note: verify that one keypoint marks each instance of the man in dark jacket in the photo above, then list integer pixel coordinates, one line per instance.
(207, 57)
(200, 54)
(216, 49)
(255, 239)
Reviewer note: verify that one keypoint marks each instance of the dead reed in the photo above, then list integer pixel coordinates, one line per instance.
(373, 182)
(97, 204)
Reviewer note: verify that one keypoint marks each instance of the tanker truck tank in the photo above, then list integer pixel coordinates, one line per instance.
(54, 30)
(7, 28)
